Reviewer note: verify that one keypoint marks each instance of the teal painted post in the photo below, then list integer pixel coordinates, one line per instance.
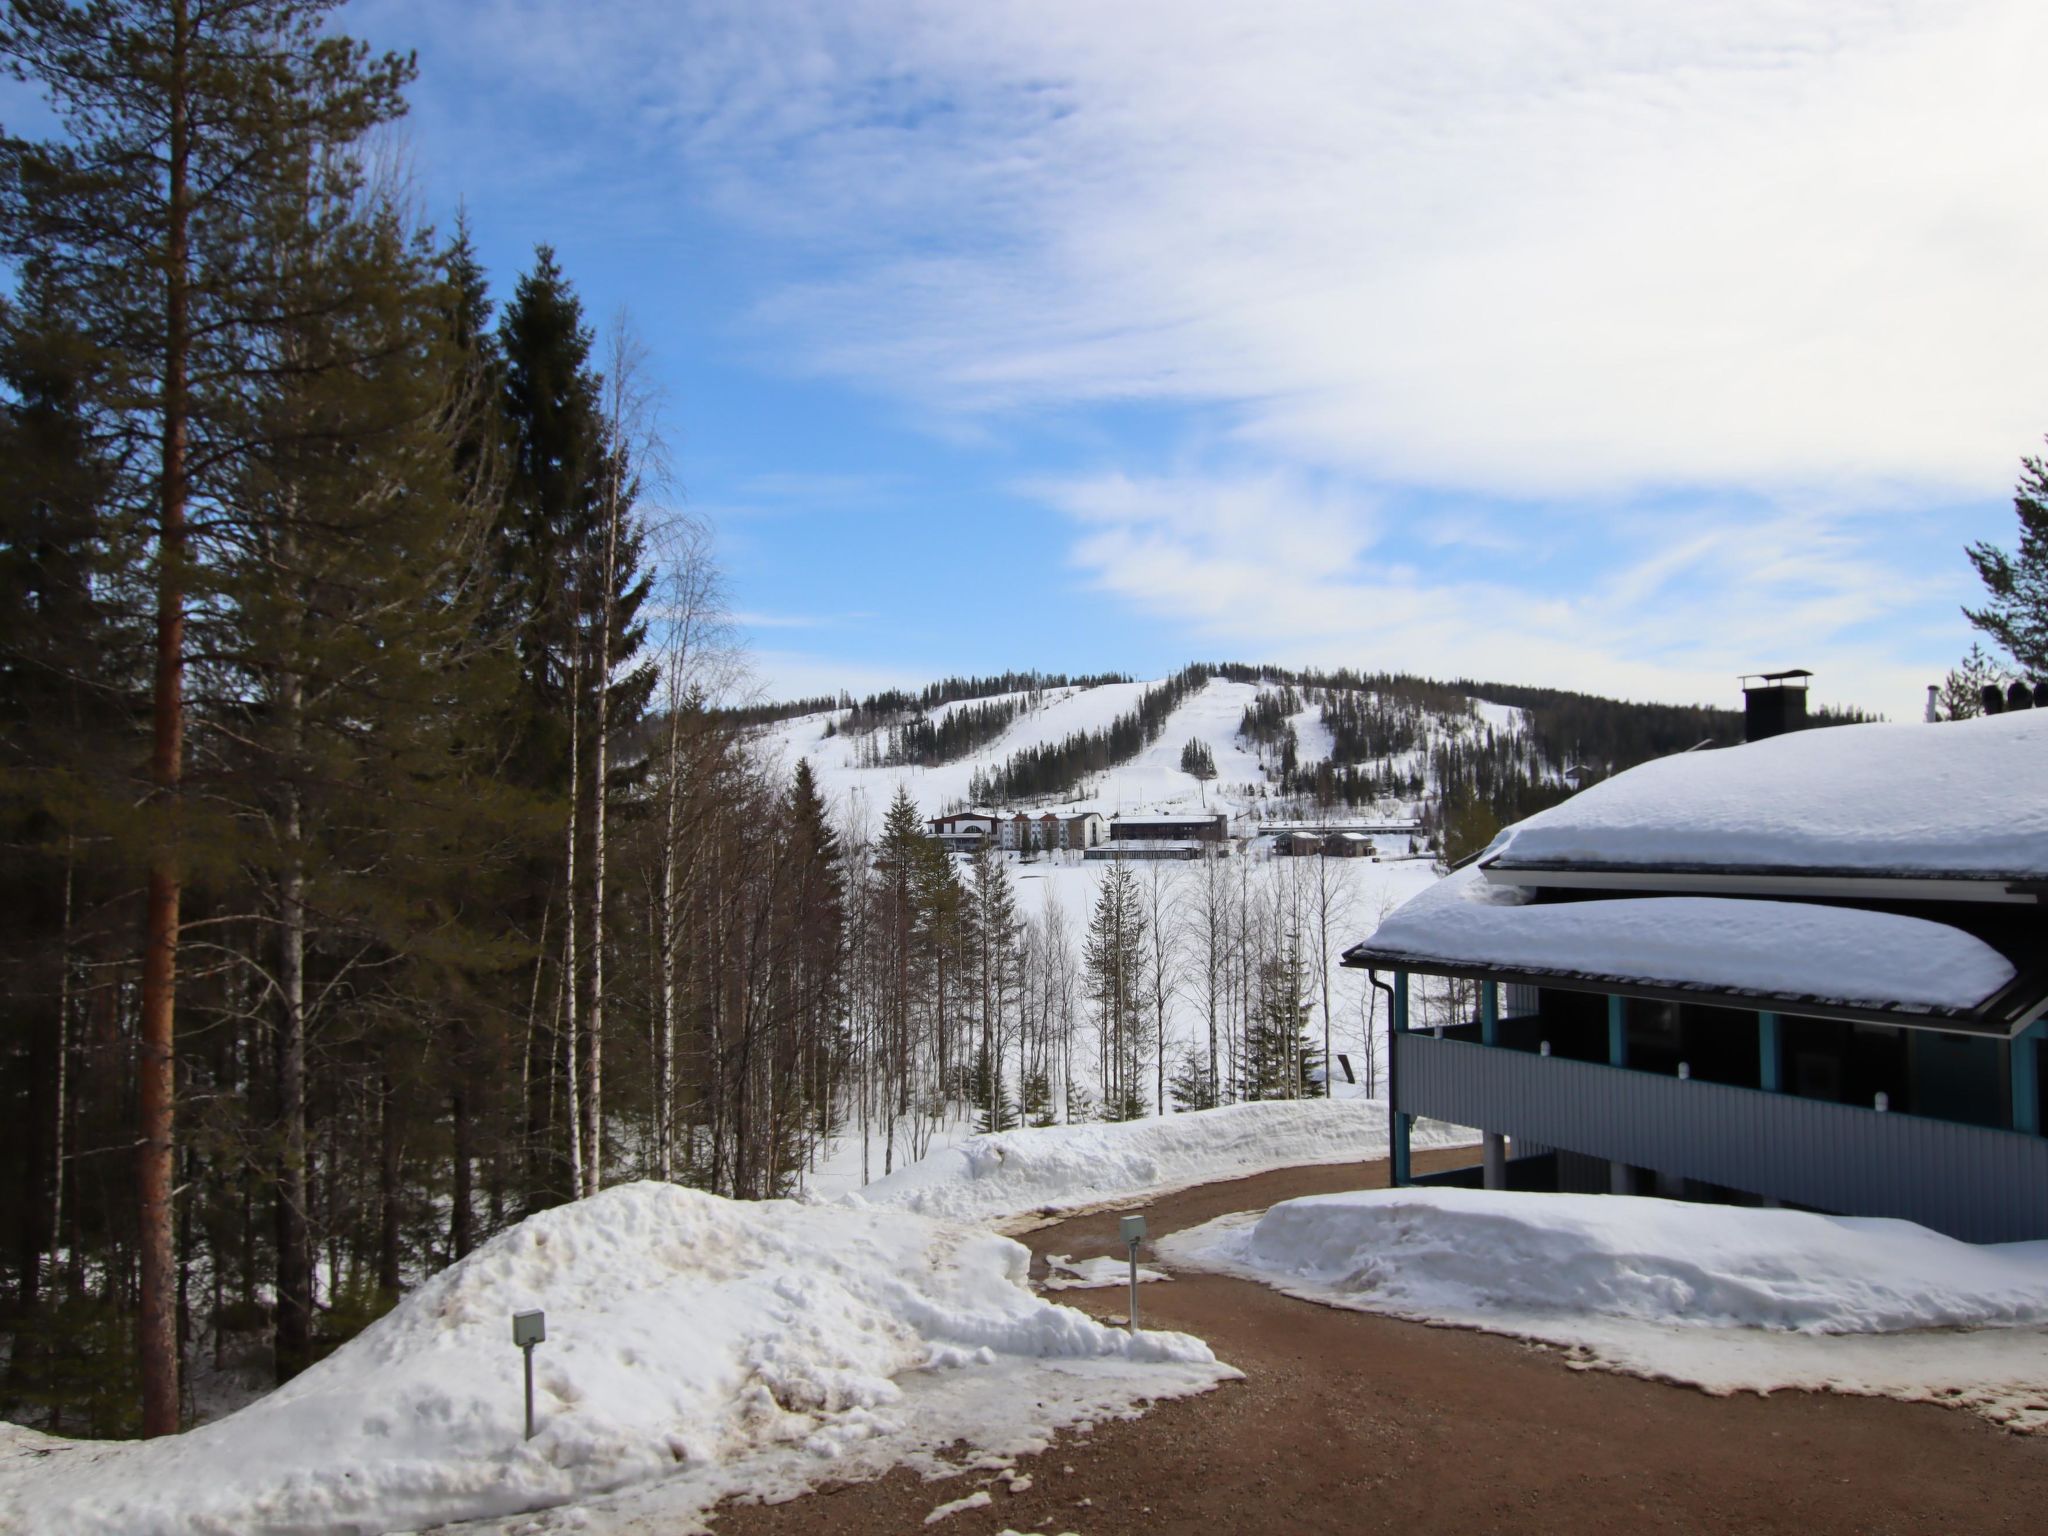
(1770, 1073)
(1400, 1171)
(2026, 1080)
(1620, 1178)
(1489, 1013)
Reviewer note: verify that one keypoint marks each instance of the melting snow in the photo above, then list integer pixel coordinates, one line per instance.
(1723, 1297)
(1071, 1167)
(685, 1332)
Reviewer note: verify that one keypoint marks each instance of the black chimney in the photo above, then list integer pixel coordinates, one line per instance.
(1773, 703)
(2019, 696)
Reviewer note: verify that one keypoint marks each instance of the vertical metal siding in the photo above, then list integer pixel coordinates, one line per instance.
(1975, 1183)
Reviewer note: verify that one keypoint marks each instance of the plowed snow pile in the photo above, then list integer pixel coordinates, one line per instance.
(1438, 1253)
(1065, 1167)
(1726, 1297)
(684, 1331)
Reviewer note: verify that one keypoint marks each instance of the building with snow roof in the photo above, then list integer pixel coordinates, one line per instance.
(1810, 970)
(1164, 826)
(1139, 849)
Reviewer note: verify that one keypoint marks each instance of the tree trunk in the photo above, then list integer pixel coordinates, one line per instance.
(461, 1222)
(293, 1334)
(571, 1044)
(389, 1199)
(156, 1062)
(593, 1159)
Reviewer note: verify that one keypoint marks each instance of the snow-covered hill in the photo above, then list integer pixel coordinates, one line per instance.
(1246, 782)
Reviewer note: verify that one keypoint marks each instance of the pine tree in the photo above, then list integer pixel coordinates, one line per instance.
(1193, 1086)
(569, 547)
(359, 717)
(2016, 614)
(186, 128)
(993, 1108)
(1280, 1058)
(1962, 691)
(1035, 1101)
(1115, 956)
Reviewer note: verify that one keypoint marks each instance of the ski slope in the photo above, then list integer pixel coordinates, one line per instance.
(1151, 781)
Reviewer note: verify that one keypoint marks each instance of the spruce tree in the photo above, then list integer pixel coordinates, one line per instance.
(571, 551)
(1115, 953)
(2016, 614)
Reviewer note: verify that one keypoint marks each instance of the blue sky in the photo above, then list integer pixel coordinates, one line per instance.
(1608, 345)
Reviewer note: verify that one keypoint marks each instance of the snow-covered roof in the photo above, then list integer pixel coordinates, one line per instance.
(1964, 800)
(1768, 951)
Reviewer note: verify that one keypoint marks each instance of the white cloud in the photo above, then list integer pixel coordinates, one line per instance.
(1532, 248)
(1710, 297)
(1679, 611)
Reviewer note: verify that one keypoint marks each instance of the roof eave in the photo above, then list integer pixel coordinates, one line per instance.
(1854, 885)
(2001, 1016)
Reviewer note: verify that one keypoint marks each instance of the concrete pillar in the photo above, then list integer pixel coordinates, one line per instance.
(2026, 1080)
(1770, 1056)
(1495, 1154)
(1619, 1180)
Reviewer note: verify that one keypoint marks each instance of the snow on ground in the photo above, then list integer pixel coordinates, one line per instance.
(1071, 1274)
(1014, 1174)
(1723, 1297)
(708, 1345)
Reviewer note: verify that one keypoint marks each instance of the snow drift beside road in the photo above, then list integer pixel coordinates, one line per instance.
(1066, 1167)
(684, 1329)
(1725, 1298)
(1445, 1254)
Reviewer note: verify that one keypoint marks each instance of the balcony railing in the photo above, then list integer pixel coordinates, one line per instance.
(1975, 1183)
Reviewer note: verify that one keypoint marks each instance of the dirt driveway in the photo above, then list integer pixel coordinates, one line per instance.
(1348, 1422)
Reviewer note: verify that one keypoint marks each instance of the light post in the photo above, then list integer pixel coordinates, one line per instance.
(1134, 1234)
(529, 1329)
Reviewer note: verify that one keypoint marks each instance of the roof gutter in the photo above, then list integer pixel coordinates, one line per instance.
(2001, 890)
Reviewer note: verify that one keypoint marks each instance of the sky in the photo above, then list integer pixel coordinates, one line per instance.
(1621, 347)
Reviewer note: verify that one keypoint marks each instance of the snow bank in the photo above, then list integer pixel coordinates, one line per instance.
(1452, 1254)
(684, 1330)
(1966, 799)
(1067, 1167)
(1775, 949)
(1717, 1297)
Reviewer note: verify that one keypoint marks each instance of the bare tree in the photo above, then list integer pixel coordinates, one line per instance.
(1163, 944)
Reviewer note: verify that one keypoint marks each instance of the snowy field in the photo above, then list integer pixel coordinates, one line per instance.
(1724, 1298)
(704, 1345)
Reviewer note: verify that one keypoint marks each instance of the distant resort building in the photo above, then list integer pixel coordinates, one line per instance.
(1144, 848)
(1810, 970)
(1278, 829)
(1157, 827)
(1043, 832)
